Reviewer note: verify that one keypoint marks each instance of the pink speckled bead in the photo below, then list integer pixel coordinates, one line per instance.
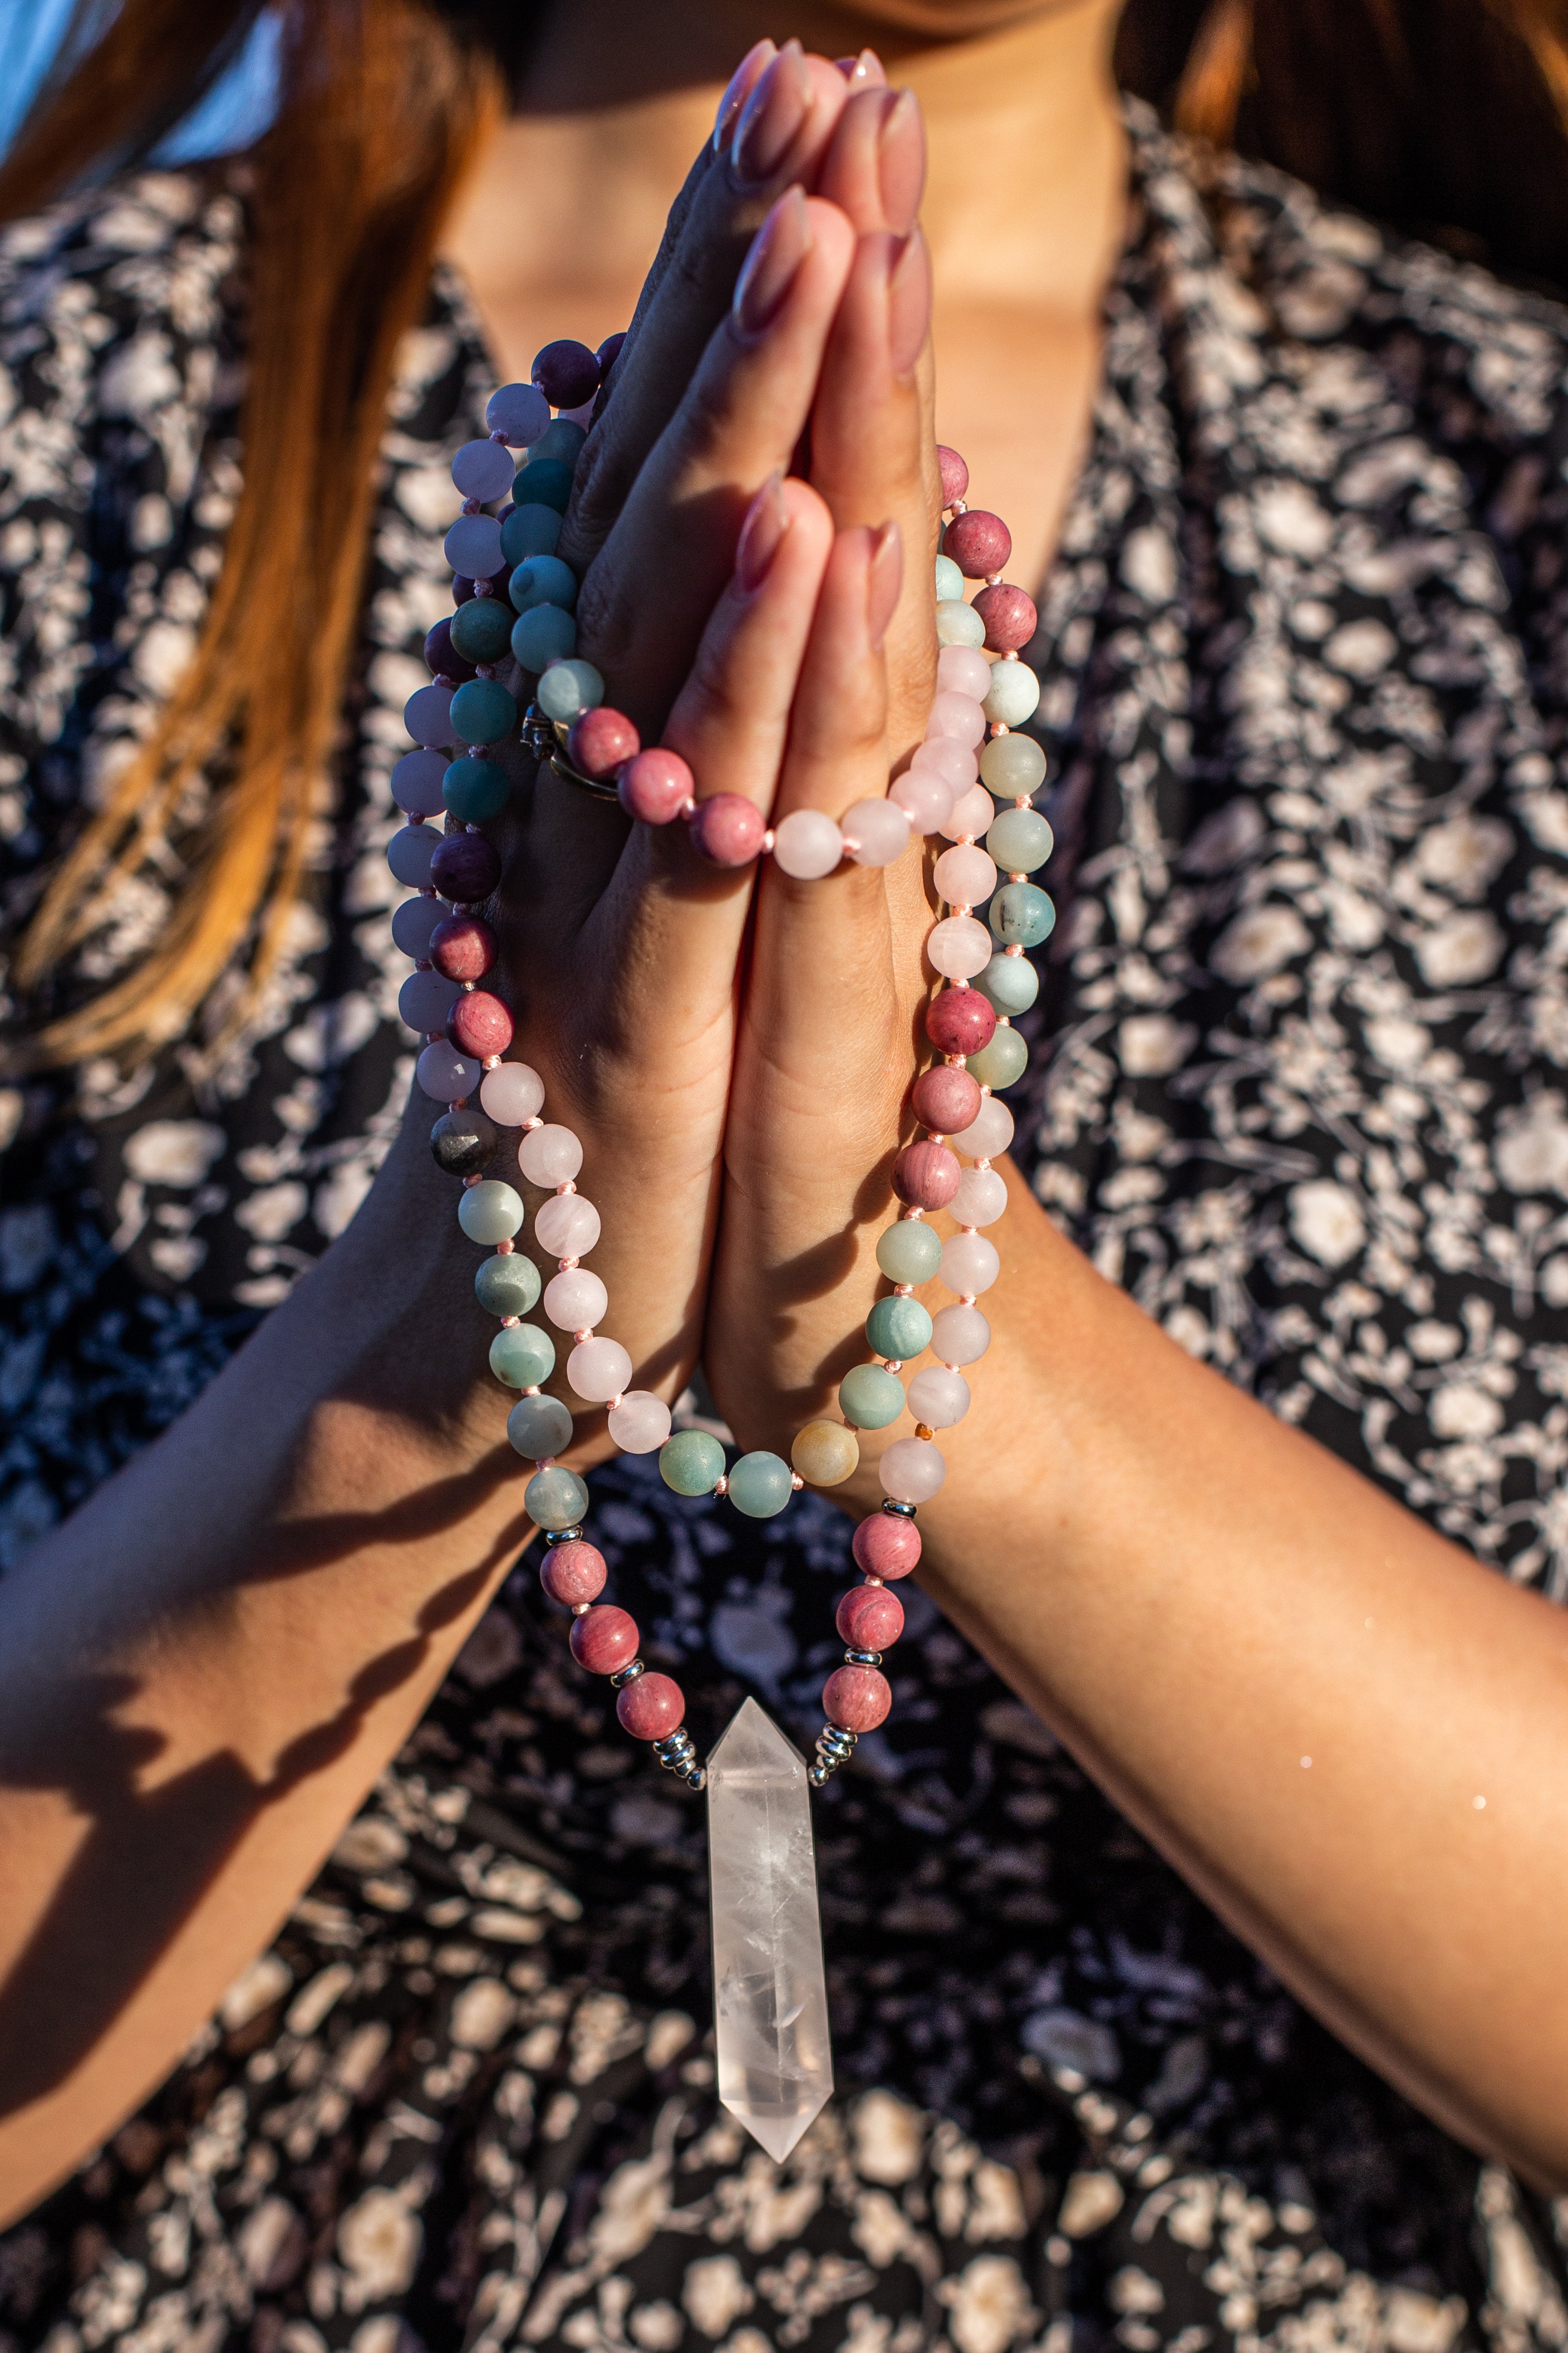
(652, 1707)
(946, 1100)
(978, 543)
(954, 474)
(601, 739)
(480, 1024)
(960, 1021)
(656, 786)
(857, 1699)
(1009, 615)
(605, 1640)
(572, 1573)
(871, 1618)
(463, 947)
(728, 830)
(926, 1175)
(887, 1546)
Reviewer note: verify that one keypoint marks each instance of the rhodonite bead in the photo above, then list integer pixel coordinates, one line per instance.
(960, 1021)
(960, 946)
(909, 1252)
(522, 1356)
(969, 1264)
(464, 1143)
(807, 845)
(981, 1197)
(651, 1708)
(1021, 915)
(896, 1329)
(489, 1211)
(966, 876)
(600, 741)
(760, 1486)
(655, 786)
(691, 1462)
(1009, 983)
(551, 1154)
(1009, 616)
(465, 867)
(912, 1469)
(509, 1286)
(476, 790)
(480, 1024)
(606, 1640)
(960, 1336)
(463, 947)
(568, 1226)
(857, 1699)
(869, 1396)
(425, 1001)
(886, 1547)
(569, 687)
(963, 669)
(483, 711)
(1014, 696)
(555, 1498)
(989, 1133)
(1002, 1062)
(978, 543)
(878, 831)
(946, 1100)
(598, 1370)
(1012, 766)
(416, 781)
(443, 1074)
(577, 1300)
(572, 1573)
(954, 471)
(538, 1427)
(869, 1618)
(480, 630)
(409, 854)
(825, 1453)
(640, 1422)
(939, 1396)
(728, 830)
(926, 1175)
(567, 374)
(512, 1094)
(414, 923)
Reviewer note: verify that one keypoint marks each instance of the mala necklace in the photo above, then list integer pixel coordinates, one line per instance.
(515, 598)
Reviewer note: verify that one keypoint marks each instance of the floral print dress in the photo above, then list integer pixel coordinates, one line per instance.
(1299, 1084)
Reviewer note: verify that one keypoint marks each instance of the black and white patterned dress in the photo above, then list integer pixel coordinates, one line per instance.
(1298, 1085)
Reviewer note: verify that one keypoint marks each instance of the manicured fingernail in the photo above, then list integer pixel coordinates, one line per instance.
(908, 304)
(773, 115)
(901, 161)
(767, 520)
(864, 72)
(779, 248)
(742, 83)
(884, 578)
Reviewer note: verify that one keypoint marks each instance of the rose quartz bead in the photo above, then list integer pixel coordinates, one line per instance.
(572, 1573)
(807, 845)
(1009, 617)
(965, 878)
(599, 1370)
(989, 1133)
(425, 1001)
(945, 757)
(963, 669)
(577, 1300)
(551, 1154)
(512, 1094)
(728, 830)
(958, 715)
(465, 867)
(482, 471)
(926, 1175)
(960, 1021)
(954, 474)
(568, 1226)
(480, 1024)
(887, 1546)
(978, 543)
(444, 1075)
(981, 1197)
(960, 1336)
(600, 740)
(946, 1098)
(651, 1708)
(640, 1422)
(656, 786)
(969, 1264)
(857, 1699)
(960, 946)
(912, 1469)
(605, 1640)
(939, 1396)
(869, 1618)
(879, 831)
(924, 799)
(463, 947)
(973, 813)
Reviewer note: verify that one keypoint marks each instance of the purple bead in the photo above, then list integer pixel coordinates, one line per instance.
(605, 1640)
(567, 375)
(425, 1001)
(416, 781)
(482, 471)
(519, 411)
(467, 867)
(441, 656)
(608, 352)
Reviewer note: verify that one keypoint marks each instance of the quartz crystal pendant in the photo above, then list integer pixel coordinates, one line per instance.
(769, 1996)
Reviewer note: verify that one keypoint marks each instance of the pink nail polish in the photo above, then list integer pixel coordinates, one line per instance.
(742, 83)
(779, 248)
(908, 304)
(772, 117)
(884, 578)
(901, 161)
(767, 520)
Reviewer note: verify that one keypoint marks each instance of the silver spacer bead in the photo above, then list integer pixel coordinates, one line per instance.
(697, 1778)
(898, 1511)
(817, 1776)
(627, 1675)
(566, 1535)
(833, 1747)
(676, 1748)
(862, 1657)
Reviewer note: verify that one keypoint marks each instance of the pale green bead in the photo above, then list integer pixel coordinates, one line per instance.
(1020, 840)
(1014, 694)
(998, 1065)
(490, 1212)
(1013, 767)
(1009, 983)
(870, 1395)
(949, 581)
(507, 1286)
(761, 1486)
(538, 1427)
(958, 624)
(555, 1499)
(522, 1356)
(1021, 915)
(691, 1462)
(567, 689)
(899, 1328)
(909, 1252)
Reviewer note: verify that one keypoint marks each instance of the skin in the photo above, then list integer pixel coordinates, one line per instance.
(202, 1672)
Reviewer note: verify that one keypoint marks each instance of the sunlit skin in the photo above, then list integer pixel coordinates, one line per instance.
(203, 1671)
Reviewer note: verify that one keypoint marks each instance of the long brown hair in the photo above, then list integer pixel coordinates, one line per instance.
(1444, 116)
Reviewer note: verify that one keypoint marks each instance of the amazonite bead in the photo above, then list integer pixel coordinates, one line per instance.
(958, 624)
(898, 1328)
(949, 582)
(555, 1498)
(542, 580)
(509, 1286)
(1020, 840)
(1009, 983)
(544, 483)
(691, 1462)
(529, 530)
(490, 1212)
(1012, 767)
(567, 689)
(1006, 1058)
(870, 1395)
(761, 1486)
(909, 1252)
(483, 712)
(561, 439)
(476, 790)
(522, 1356)
(1015, 694)
(1021, 915)
(538, 1427)
(480, 630)
(543, 635)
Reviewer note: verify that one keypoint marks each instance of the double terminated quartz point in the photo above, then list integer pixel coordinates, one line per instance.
(770, 1995)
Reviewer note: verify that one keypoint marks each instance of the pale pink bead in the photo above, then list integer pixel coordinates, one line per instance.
(549, 1155)
(879, 831)
(988, 1134)
(958, 715)
(807, 845)
(598, 1369)
(965, 877)
(640, 1422)
(963, 669)
(912, 1469)
(980, 1199)
(576, 1302)
(960, 946)
(444, 1075)
(945, 757)
(924, 799)
(567, 1227)
(960, 1336)
(972, 812)
(939, 1398)
(969, 1264)
(425, 1001)
(510, 1094)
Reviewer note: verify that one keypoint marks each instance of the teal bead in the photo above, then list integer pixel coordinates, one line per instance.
(544, 483)
(691, 1462)
(522, 1356)
(538, 1427)
(561, 440)
(555, 1499)
(476, 790)
(761, 1486)
(509, 1286)
(909, 1252)
(949, 582)
(542, 580)
(529, 530)
(870, 1395)
(483, 712)
(1011, 984)
(489, 1212)
(567, 689)
(1019, 839)
(480, 630)
(544, 635)
(899, 1328)
(998, 1065)
(1022, 916)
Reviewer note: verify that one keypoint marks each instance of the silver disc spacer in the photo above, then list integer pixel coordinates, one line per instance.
(627, 1675)
(862, 1657)
(833, 1747)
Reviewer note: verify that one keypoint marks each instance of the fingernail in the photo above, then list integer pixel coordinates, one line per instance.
(767, 520)
(771, 117)
(864, 72)
(908, 304)
(742, 83)
(884, 578)
(901, 161)
(779, 248)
